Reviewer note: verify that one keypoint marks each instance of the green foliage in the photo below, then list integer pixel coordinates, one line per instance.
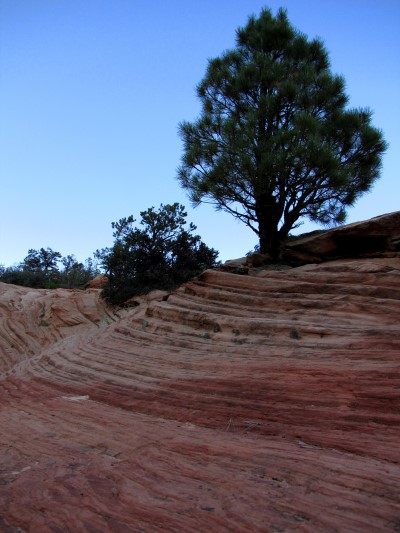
(274, 142)
(161, 254)
(43, 260)
(46, 268)
(40, 268)
(17, 276)
(76, 274)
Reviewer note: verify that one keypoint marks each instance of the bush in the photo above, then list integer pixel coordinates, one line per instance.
(161, 255)
(40, 270)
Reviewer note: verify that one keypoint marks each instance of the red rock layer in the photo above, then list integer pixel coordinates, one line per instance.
(239, 403)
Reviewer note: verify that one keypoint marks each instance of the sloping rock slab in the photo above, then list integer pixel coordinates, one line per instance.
(371, 238)
(31, 319)
(263, 403)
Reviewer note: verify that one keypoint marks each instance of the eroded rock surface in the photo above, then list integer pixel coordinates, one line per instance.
(238, 403)
(98, 282)
(376, 237)
(32, 319)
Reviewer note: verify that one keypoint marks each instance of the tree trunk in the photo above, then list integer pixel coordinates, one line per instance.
(270, 241)
(268, 217)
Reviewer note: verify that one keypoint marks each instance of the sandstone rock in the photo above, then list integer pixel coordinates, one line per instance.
(236, 266)
(34, 319)
(257, 260)
(98, 282)
(156, 295)
(235, 403)
(376, 237)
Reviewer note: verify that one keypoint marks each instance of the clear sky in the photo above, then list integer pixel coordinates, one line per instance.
(92, 91)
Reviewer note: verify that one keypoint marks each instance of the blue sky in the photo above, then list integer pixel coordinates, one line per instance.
(92, 91)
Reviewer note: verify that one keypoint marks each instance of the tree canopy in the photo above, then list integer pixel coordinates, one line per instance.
(41, 269)
(161, 254)
(43, 260)
(274, 142)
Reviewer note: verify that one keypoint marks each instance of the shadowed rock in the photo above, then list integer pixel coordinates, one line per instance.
(377, 237)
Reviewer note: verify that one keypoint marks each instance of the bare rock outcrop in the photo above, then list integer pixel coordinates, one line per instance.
(377, 237)
(33, 319)
(98, 282)
(236, 403)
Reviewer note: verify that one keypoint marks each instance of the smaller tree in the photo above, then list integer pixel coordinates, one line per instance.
(76, 274)
(41, 260)
(40, 268)
(161, 255)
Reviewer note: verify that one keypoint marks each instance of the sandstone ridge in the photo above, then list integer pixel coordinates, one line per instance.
(268, 402)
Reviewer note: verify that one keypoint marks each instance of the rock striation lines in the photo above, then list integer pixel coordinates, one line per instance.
(267, 402)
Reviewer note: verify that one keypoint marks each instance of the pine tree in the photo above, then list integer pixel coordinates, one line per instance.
(274, 142)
